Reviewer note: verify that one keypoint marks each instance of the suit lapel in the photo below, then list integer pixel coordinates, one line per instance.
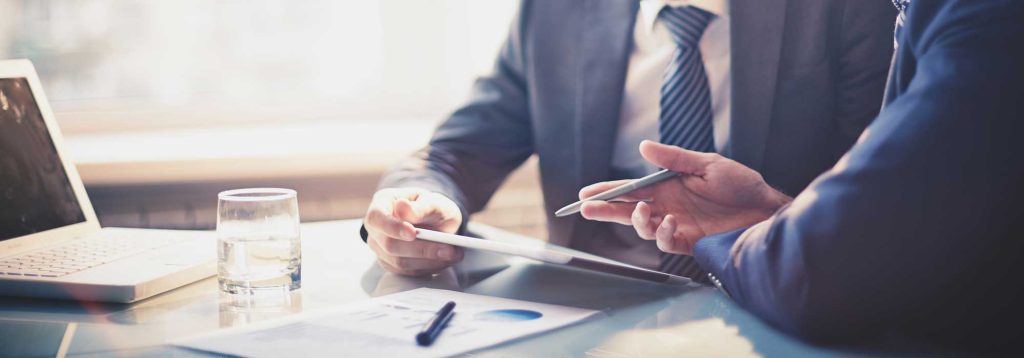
(756, 34)
(606, 46)
(606, 43)
(899, 71)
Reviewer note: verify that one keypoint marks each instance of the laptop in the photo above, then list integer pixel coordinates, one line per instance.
(51, 244)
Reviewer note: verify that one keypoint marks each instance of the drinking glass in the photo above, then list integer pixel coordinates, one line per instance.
(258, 247)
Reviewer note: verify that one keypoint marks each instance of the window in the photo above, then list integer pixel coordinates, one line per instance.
(117, 65)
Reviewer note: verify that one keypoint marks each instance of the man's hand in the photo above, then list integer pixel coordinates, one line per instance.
(712, 195)
(391, 223)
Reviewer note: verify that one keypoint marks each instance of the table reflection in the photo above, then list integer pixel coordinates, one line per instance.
(475, 267)
(240, 310)
(695, 323)
(33, 338)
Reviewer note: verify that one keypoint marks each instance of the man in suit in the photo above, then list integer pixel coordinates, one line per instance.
(783, 86)
(914, 234)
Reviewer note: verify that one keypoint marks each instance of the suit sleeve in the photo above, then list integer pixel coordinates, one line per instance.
(915, 230)
(473, 151)
(864, 44)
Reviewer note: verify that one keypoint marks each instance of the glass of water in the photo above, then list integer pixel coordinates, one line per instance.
(258, 246)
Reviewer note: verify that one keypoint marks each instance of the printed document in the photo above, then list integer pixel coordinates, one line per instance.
(387, 325)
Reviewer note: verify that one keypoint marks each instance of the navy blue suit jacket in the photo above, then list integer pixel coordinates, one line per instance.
(917, 231)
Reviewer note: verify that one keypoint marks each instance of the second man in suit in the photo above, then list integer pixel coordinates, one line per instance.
(913, 237)
(782, 86)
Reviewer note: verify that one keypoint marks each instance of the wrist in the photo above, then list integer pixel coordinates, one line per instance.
(774, 200)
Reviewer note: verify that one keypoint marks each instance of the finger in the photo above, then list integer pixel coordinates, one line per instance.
(675, 158)
(608, 211)
(411, 264)
(384, 223)
(418, 249)
(598, 188)
(416, 211)
(666, 235)
(641, 220)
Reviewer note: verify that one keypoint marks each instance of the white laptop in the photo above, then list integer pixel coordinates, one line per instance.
(51, 244)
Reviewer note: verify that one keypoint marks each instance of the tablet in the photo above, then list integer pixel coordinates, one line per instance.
(555, 255)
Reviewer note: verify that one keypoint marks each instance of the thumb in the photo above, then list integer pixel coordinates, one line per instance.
(414, 211)
(675, 158)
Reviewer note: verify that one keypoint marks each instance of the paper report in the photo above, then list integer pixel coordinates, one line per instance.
(386, 326)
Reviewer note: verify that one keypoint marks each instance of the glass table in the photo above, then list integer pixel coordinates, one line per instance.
(639, 318)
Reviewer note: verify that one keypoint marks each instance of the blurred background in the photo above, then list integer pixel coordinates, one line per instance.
(164, 103)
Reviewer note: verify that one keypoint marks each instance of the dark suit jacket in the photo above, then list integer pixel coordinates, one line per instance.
(808, 75)
(916, 233)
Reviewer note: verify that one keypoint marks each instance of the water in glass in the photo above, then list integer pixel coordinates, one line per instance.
(258, 241)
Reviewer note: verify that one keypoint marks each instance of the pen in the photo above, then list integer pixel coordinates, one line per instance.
(618, 191)
(433, 327)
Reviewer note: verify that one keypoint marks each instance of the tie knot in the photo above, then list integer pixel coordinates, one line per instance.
(686, 24)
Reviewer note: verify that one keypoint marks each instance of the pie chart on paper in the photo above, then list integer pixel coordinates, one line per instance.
(507, 315)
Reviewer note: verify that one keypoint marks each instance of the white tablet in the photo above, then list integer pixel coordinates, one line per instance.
(556, 255)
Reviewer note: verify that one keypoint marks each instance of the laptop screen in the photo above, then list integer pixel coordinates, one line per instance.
(35, 192)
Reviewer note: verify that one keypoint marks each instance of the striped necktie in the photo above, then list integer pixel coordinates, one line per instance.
(685, 104)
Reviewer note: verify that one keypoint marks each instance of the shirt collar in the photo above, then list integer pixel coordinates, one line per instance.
(649, 9)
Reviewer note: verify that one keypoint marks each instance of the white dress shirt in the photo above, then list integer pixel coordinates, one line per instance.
(651, 55)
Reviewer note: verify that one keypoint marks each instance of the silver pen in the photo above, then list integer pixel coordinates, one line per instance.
(620, 190)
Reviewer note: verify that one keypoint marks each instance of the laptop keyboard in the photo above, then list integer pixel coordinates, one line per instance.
(79, 255)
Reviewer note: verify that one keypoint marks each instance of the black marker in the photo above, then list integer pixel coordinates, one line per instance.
(433, 327)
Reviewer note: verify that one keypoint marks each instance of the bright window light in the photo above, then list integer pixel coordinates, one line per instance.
(112, 65)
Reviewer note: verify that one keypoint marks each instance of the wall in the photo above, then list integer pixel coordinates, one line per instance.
(517, 206)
